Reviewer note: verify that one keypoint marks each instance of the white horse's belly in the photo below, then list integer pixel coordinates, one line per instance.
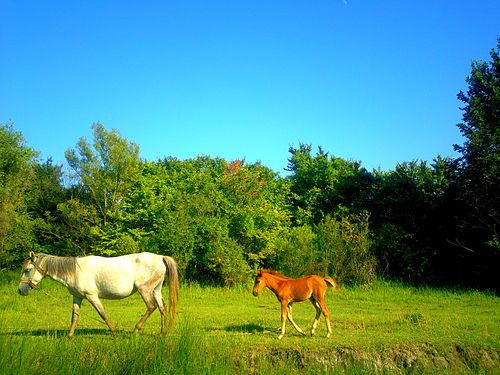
(115, 289)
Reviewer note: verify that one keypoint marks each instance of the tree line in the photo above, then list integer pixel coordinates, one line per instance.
(221, 220)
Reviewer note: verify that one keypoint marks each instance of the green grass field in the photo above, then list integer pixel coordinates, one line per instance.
(385, 328)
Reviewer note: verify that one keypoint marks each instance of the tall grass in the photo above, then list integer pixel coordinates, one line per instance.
(386, 328)
(126, 353)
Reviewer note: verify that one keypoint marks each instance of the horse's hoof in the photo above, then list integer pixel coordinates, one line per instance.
(280, 337)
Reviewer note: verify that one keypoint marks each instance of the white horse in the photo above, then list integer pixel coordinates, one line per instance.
(94, 277)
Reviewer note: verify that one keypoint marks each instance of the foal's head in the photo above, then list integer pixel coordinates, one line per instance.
(259, 284)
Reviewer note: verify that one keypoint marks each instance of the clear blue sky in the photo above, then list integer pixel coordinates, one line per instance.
(373, 81)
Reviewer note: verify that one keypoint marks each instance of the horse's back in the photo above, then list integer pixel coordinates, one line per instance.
(118, 277)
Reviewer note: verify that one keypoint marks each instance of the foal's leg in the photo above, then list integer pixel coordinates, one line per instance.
(284, 314)
(96, 302)
(326, 313)
(318, 314)
(77, 303)
(292, 321)
(148, 298)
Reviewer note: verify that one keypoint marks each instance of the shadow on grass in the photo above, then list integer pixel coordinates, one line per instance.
(61, 332)
(247, 328)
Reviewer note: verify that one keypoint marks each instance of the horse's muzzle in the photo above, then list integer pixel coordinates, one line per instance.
(255, 293)
(24, 289)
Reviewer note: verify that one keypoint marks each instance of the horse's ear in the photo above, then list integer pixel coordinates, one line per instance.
(32, 256)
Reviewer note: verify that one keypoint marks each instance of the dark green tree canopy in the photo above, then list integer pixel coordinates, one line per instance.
(479, 165)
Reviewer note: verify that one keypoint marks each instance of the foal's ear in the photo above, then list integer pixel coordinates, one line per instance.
(32, 256)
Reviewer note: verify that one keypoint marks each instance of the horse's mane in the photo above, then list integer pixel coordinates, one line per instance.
(274, 273)
(53, 265)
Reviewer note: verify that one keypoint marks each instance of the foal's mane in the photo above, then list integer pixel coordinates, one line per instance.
(53, 265)
(274, 273)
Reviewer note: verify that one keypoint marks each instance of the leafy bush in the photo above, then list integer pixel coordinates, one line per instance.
(298, 252)
(335, 247)
(225, 261)
(344, 247)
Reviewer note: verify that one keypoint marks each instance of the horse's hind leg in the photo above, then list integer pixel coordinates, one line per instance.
(77, 303)
(94, 301)
(149, 300)
(160, 303)
(290, 318)
(318, 314)
(326, 313)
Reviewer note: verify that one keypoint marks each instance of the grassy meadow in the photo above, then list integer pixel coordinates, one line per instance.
(384, 328)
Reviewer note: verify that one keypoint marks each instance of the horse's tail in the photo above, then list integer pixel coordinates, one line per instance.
(331, 282)
(173, 283)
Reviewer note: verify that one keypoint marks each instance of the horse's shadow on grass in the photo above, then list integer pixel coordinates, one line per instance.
(60, 332)
(247, 328)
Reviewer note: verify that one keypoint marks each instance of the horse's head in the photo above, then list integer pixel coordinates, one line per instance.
(259, 284)
(32, 275)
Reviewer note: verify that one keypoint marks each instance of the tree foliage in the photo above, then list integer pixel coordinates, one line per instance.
(16, 162)
(105, 171)
(479, 165)
(323, 184)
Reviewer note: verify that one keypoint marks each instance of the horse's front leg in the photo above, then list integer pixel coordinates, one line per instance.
(77, 303)
(290, 318)
(96, 302)
(284, 313)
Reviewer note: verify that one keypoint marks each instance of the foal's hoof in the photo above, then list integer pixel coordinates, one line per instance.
(280, 337)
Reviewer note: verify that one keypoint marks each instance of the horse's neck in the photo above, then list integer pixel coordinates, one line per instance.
(273, 283)
(56, 273)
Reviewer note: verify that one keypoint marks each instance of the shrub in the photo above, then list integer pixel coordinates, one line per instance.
(344, 248)
(298, 252)
(224, 260)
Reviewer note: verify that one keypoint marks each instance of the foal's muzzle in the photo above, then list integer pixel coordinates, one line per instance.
(255, 293)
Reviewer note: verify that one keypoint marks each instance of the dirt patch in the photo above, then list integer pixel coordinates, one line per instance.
(421, 358)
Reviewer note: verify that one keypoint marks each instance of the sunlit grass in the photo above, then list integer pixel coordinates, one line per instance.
(232, 331)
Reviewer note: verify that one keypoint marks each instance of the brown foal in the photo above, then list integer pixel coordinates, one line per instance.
(288, 290)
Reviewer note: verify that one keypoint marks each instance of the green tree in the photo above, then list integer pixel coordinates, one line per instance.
(298, 252)
(46, 190)
(479, 165)
(257, 209)
(105, 171)
(16, 173)
(218, 219)
(407, 216)
(344, 246)
(322, 185)
(45, 194)
(477, 192)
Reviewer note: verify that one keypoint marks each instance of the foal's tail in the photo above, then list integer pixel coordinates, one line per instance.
(331, 282)
(173, 283)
